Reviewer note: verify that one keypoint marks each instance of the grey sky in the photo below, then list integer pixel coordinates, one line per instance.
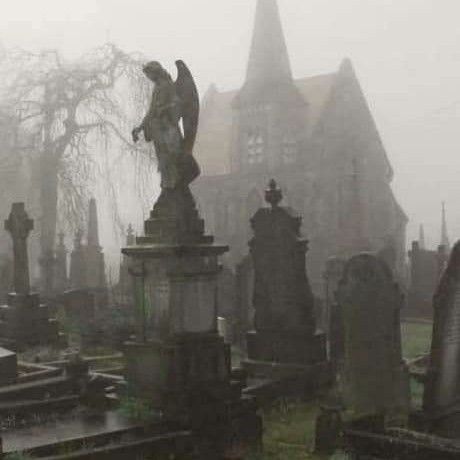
(405, 52)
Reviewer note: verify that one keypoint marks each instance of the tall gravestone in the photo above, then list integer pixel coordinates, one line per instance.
(334, 320)
(426, 268)
(61, 282)
(24, 321)
(179, 362)
(285, 331)
(95, 263)
(125, 284)
(77, 274)
(374, 379)
(442, 388)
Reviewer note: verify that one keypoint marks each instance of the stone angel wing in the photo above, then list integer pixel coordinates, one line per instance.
(190, 104)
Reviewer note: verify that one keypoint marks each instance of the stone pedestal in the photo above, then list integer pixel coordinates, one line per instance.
(25, 322)
(8, 367)
(285, 344)
(179, 362)
(291, 347)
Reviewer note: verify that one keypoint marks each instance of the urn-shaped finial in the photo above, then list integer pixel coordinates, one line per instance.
(273, 194)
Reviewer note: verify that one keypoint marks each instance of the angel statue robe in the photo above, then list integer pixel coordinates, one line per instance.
(161, 126)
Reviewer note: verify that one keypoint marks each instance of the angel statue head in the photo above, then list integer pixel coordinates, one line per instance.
(172, 102)
(154, 71)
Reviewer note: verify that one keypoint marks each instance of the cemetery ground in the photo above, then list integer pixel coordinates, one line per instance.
(289, 427)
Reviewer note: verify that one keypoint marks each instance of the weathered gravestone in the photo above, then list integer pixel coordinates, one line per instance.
(8, 367)
(332, 276)
(178, 361)
(77, 275)
(426, 268)
(24, 321)
(374, 380)
(95, 262)
(61, 280)
(285, 331)
(442, 389)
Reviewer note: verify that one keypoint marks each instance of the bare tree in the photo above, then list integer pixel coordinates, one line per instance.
(71, 109)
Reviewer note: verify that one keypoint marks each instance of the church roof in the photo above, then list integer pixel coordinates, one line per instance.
(268, 57)
(213, 147)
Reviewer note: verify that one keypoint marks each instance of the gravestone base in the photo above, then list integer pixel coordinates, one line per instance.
(179, 363)
(173, 373)
(25, 322)
(295, 361)
(187, 378)
(289, 347)
(445, 424)
(8, 367)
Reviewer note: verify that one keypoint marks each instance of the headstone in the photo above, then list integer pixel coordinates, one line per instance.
(24, 321)
(179, 362)
(61, 279)
(8, 367)
(95, 263)
(284, 326)
(426, 267)
(442, 389)
(334, 320)
(77, 276)
(374, 380)
(124, 289)
(244, 297)
(19, 226)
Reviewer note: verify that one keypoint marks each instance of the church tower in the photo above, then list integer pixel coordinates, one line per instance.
(269, 110)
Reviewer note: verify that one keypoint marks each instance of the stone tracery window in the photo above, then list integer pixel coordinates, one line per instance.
(289, 149)
(255, 148)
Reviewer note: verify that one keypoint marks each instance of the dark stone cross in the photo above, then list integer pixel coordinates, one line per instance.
(19, 226)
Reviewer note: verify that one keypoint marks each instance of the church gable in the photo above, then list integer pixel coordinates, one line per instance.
(218, 124)
(347, 132)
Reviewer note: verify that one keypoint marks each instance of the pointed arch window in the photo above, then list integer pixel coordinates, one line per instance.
(255, 148)
(289, 149)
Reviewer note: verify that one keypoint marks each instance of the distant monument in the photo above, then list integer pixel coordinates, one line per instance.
(178, 360)
(61, 282)
(333, 313)
(442, 388)
(374, 380)
(87, 265)
(77, 275)
(24, 321)
(95, 263)
(284, 326)
(426, 267)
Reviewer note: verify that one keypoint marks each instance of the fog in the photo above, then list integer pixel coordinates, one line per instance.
(406, 54)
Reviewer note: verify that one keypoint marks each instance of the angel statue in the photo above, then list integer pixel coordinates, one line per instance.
(171, 103)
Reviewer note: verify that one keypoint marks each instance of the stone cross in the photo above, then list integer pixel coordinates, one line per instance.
(19, 226)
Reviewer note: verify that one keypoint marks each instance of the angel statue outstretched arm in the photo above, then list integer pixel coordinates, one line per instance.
(171, 102)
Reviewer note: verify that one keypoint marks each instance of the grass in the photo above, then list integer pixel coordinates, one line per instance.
(416, 339)
(289, 429)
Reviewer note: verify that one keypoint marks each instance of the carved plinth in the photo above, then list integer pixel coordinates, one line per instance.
(24, 322)
(291, 347)
(175, 220)
(180, 373)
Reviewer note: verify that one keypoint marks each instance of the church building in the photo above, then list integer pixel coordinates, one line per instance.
(316, 136)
